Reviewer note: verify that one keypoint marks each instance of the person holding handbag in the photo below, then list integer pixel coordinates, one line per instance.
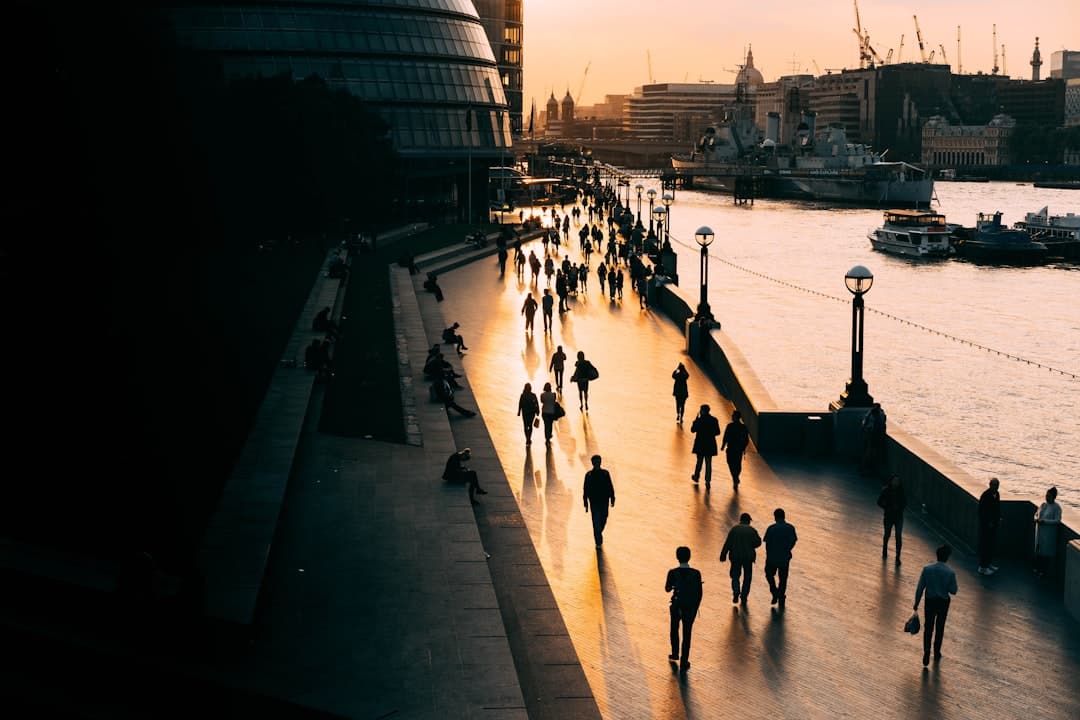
(548, 404)
(584, 373)
(528, 409)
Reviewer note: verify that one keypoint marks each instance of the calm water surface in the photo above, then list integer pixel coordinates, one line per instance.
(993, 416)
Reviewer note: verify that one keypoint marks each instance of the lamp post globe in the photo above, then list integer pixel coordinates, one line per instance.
(704, 237)
(667, 200)
(858, 280)
(652, 196)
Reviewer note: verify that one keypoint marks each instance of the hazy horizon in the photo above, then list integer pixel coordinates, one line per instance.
(701, 41)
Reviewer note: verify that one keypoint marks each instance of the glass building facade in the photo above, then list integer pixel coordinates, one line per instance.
(426, 66)
(504, 22)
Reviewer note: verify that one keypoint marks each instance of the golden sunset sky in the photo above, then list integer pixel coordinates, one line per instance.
(692, 40)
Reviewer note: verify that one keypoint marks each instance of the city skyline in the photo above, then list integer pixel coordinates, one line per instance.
(682, 47)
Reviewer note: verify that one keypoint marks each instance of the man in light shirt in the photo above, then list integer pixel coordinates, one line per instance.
(939, 582)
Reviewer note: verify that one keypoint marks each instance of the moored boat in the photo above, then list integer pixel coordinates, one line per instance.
(913, 233)
(1060, 233)
(990, 241)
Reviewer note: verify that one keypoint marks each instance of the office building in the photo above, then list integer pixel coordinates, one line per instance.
(503, 22)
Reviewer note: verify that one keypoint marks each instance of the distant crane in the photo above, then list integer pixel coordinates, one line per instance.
(900, 52)
(864, 57)
(959, 64)
(930, 57)
(918, 35)
(1004, 67)
(996, 68)
(648, 56)
(816, 65)
(888, 56)
(581, 87)
(943, 58)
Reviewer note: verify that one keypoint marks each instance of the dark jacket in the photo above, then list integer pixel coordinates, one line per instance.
(680, 376)
(705, 429)
(740, 544)
(685, 585)
(780, 537)
(736, 438)
(989, 508)
(892, 501)
(598, 490)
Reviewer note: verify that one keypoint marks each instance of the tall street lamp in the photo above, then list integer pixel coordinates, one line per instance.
(668, 199)
(640, 189)
(704, 237)
(652, 196)
(858, 281)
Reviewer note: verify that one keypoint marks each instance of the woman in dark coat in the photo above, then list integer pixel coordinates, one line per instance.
(583, 373)
(705, 428)
(680, 391)
(528, 409)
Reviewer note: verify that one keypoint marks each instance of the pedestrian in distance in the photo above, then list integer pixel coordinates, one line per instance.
(684, 584)
(736, 440)
(643, 292)
(503, 255)
(706, 428)
(584, 373)
(597, 493)
(529, 311)
(619, 277)
(558, 366)
(519, 261)
(780, 538)
(548, 401)
(549, 269)
(938, 581)
(874, 436)
(601, 274)
(989, 520)
(680, 390)
(892, 502)
(741, 546)
(612, 279)
(583, 275)
(534, 266)
(457, 472)
(1047, 524)
(547, 303)
(528, 409)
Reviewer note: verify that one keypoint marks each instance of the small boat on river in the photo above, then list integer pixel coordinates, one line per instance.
(1059, 233)
(990, 241)
(913, 233)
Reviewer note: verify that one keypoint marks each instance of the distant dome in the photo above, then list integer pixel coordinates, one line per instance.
(749, 75)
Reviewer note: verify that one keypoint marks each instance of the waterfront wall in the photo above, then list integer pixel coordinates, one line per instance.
(945, 495)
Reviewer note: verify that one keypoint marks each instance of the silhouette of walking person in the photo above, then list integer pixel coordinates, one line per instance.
(938, 580)
(706, 428)
(547, 411)
(736, 439)
(741, 546)
(558, 366)
(892, 503)
(529, 311)
(547, 307)
(584, 373)
(680, 390)
(597, 493)
(684, 584)
(780, 538)
(528, 409)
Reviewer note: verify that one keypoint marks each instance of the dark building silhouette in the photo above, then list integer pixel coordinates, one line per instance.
(504, 23)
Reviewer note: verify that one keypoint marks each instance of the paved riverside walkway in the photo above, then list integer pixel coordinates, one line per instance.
(1010, 651)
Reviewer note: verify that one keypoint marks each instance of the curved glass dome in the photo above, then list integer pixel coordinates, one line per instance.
(425, 65)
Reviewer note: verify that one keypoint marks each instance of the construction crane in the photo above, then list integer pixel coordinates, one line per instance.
(900, 52)
(1004, 67)
(863, 57)
(944, 59)
(930, 57)
(648, 56)
(581, 87)
(816, 65)
(995, 69)
(888, 57)
(918, 36)
(959, 63)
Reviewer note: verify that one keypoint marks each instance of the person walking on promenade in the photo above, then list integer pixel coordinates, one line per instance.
(612, 279)
(874, 433)
(584, 373)
(549, 269)
(643, 292)
(529, 311)
(736, 439)
(528, 409)
(583, 276)
(598, 492)
(619, 277)
(457, 472)
(684, 584)
(601, 274)
(780, 538)
(892, 503)
(519, 261)
(558, 366)
(534, 266)
(562, 290)
(680, 390)
(741, 545)
(938, 581)
(1047, 522)
(503, 256)
(989, 520)
(705, 428)
(547, 307)
(548, 402)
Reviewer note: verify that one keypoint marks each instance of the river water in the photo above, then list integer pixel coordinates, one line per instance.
(776, 283)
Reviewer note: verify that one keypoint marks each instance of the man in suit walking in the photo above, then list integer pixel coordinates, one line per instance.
(684, 584)
(939, 582)
(598, 492)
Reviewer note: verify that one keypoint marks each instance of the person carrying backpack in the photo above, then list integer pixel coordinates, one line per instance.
(684, 584)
